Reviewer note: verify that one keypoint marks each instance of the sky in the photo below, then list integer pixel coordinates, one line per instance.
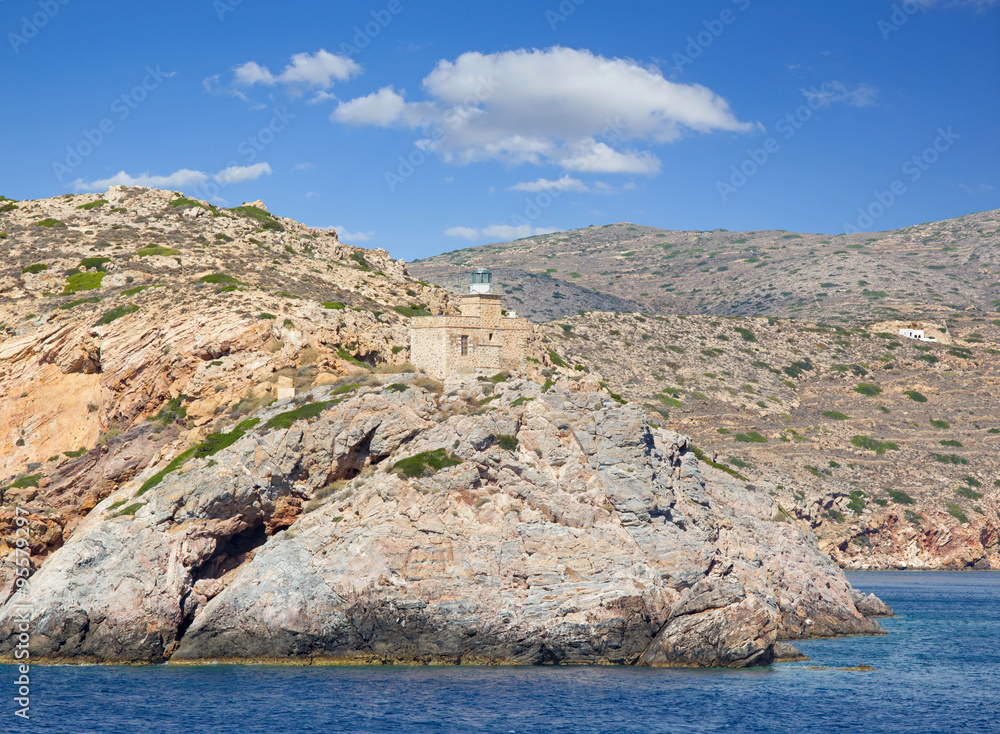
(422, 127)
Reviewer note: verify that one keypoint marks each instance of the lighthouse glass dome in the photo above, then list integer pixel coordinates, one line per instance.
(482, 281)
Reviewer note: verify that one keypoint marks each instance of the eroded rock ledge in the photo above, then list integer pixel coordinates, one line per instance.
(567, 530)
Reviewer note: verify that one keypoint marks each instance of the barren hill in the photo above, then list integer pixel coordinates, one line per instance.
(931, 270)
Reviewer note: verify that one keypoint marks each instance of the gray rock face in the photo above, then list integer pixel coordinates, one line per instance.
(594, 539)
(870, 605)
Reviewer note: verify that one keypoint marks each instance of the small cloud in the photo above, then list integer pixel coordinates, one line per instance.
(314, 70)
(312, 194)
(976, 189)
(239, 174)
(302, 166)
(566, 183)
(182, 179)
(862, 95)
(322, 96)
(498, 232)
(345, 236)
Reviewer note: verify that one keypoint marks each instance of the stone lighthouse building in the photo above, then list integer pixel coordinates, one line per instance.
(482, 338)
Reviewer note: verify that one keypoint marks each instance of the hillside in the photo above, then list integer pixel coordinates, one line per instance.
(927, 270)
(213, 448)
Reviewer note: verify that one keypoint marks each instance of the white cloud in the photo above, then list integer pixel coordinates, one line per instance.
(566, 183)
(239, 174)
(312, 194)
(316, 70)
(498, 232)
(345, 236)
(302, 166)
(182, 179)
(862, 95)
(560, 106)
(176, 180)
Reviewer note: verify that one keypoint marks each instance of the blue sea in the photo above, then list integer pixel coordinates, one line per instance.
(938, 671)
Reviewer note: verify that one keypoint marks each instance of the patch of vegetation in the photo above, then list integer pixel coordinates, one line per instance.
(879, 447)
(835, 415)
(303, 412)
(940, 424)
(520, 401)
(83, 282)
(968, 493)
(722, 467)
(152, 250)
(901, 498)
(51, 223)
(411, 311)
(557, 360)
(212, 444)
(334, 305)
(220, 279)
(950, 458)
(116, 313)
(361, 262)
(35, 269)
(137, 289)
(915, 396)
(795, 369)
(857, 502)
(746, 334)
(184, 202)
(93, 205)
(131, 509)
(951, 443)
(172, 411)
(750, 437)
(265, 316)
(956, 512)
(507, 442)
(265, 219)
(397, 387)
(549, 384)
(424, 464)
(867, 388)
(96, 263)
(79, 302)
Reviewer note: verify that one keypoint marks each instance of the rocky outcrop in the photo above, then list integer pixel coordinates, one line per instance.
(412, 523)
(870, 605)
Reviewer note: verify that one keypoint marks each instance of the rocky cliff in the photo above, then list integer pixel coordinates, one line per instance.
(480, 521)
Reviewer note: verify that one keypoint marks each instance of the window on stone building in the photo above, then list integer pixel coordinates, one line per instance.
(465, 345)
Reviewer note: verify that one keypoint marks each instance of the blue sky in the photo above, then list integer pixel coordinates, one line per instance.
(423, 127)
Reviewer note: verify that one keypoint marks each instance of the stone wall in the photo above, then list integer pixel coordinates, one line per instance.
(494, 342)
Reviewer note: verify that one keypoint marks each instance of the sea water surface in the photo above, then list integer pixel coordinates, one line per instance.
(938, 671)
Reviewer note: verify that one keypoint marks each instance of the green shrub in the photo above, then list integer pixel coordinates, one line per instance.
(968, 493)
(116, 313)
(506, 442)
(35, 269)
(265, 219)
(83, 282)
(397, 387)
(915, 396)
(750, 437)
(156, 250)
(549, 384)
(972, 482)
(952, 443)
(857, 502)
(137, 289)
(956, 512)
(220, 279)
(50, 223)
(264, 315)
(411, 311)
(901, 498)
(722, 467)
(362, 263)
(183, 202)
(173, 410)
(746, 334)
(795, 369)
(520, 401)
(949, 458)
(89, 263)
(940, 424)
(79, 302)
(424, 464)
(131, 509)
(879, 447)
(303, 412)
(93, 205)
(557, 360)
(334, 305)
(867, 388)
(835, 415)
